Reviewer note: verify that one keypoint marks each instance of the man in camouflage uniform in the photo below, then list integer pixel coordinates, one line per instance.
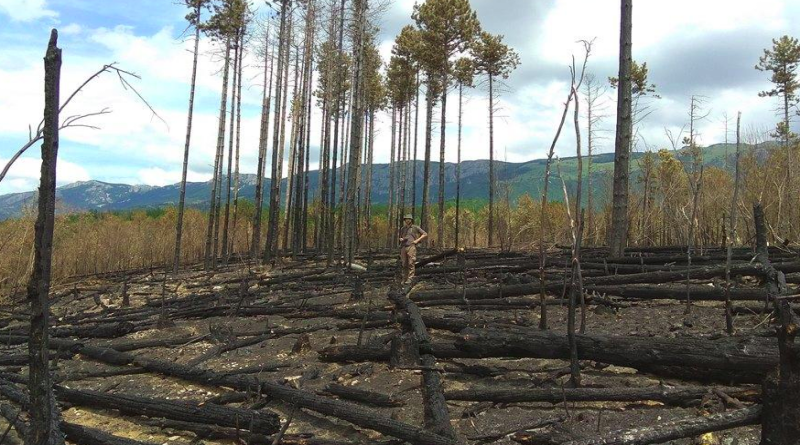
(410, 236)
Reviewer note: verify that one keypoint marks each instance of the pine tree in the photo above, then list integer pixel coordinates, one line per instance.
(495, 60)
(374, 100)
(194, 19)
(223, 25)
(410, 44)
(447, 28)
(269, 68)
(242, 36)
(271, 246)
(332, 86)
(356, 130)
(464, 73)
(402, 84)
(782, 61)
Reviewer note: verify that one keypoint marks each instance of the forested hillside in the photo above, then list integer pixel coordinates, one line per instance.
(516, 178)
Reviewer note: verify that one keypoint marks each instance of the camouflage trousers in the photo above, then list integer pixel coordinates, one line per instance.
(408, 256)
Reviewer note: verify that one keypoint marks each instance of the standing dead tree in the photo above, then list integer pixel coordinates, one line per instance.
(44, 412)
(576, 224)
(543, 215)
(594, 92)
(76, 121)
(695, 179)
(730, 229)
(44, 424)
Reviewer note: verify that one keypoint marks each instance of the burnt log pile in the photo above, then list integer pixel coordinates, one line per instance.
(301, 353)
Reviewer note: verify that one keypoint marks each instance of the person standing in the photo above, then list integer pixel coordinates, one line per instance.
(410, 236)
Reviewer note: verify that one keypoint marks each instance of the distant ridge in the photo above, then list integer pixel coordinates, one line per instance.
(520, 178)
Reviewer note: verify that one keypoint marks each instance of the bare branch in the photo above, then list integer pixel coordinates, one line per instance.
(70, 122)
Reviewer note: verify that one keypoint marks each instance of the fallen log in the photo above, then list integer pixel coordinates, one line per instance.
(24, 359)
(679, 395)
(676, 258)
(492, 304)
(696, 273)
(349, 412)
(217, 433)
(437, 257)
(679, 429)
(261, 422)
(81, 375)
(483, 293)
(698, 292)
(745, 360)
(437, 415)
(12, 416)
(516, 290)
(99, 330)
(84, 435)
(127, 345)
(75, 433)
(363, 396)
(375, 353)
(249, 341)
(726, 359)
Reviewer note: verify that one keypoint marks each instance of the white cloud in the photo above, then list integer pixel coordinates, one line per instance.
(71, 29)
(24, 174)
(160, 177)
(26, 10)
(654, 23)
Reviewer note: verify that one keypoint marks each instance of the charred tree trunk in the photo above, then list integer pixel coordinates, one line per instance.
(668, 431)
(176, 262)
(294, 152)
(492, 178)
(442, 145)
(426, 170)
(228, 178)
(262, 148)
(458, 166)
(44, 413)
(274, 192)
(210, 259)
(368, 181)
(437, 417)
(232, 248)
(356, 131)
(414, 159)
(622, 147)
(390, 217)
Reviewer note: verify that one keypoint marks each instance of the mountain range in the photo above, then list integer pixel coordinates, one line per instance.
(514, 178)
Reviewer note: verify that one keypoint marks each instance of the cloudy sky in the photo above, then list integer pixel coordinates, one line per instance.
(706, 48)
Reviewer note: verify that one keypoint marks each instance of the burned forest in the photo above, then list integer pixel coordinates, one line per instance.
(432, 222)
